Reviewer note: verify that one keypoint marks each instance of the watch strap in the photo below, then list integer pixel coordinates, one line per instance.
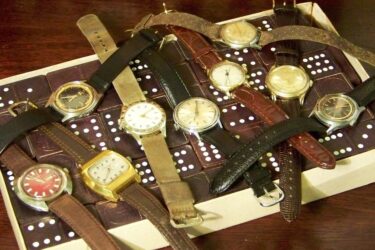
(152, 209)
(83, 223)
(73, 145)
(364, 93)
(202, 51)
(271, 114)
(250, 152)
(24, 122)
(299, 32)
(173, 85)
(127, 87)
(176, 193)
(259, 179)
(16, 160)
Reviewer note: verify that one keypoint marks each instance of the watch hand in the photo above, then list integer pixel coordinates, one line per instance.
(196, 111)
(108, 172)
(36, 179)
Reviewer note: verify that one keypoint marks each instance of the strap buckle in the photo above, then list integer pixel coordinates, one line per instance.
(22, 105)
(188, 222)
(271, 198)
(167, 39)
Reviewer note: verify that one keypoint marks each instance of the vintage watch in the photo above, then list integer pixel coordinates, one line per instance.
(288, 84)
(113, 176)
(46, 187)
(240, 34)
(340, 110)
(230, 78)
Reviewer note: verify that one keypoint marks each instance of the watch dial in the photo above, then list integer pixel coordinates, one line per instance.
(196, 114)
(108, 169)
(143, 118)
(238, 34)
(288, 81)
(42, 182)
(227, 76)
(337, 107)
(73, 97)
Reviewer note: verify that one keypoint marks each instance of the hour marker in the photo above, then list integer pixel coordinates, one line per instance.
(51, 191)
(29, 190)
(44, 194)
(56, 186)
(36, 194)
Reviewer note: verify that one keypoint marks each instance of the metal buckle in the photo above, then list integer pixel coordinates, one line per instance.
(12, 108)
(271, 198)
(189, 222)
(167, 39)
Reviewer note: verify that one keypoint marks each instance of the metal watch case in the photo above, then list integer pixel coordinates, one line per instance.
(136, 133)
(109, 191)
(41, 204)
(288, 82)
(240, 34)
(332, 122)
(71, 113)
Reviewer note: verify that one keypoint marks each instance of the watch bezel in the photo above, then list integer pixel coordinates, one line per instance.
(124, 125)
(109, 191)
(282, 93)
(218, 85)
(40, 203)
(188, 129)
(252, 43)
(71, 113)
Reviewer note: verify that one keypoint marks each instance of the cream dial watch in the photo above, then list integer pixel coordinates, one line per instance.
(240, 34)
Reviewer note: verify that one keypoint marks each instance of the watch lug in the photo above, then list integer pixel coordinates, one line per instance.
(331, 129)
(312, 112)
(273, 97)
(301, 99)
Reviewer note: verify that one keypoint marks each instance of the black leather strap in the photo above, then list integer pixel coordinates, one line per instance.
(101, 80)
(171, 82)
(364, 93)
(24, 122)
(259, 179)
(249, 153)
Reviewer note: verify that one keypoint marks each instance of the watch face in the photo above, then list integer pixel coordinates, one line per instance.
(227, 76)
(142, 118)
(337, 107)
(239, 34)
(288, 81)
(74, 97)
(196, 114)
(107, 169)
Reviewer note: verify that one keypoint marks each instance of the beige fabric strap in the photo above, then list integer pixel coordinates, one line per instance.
(176, 193)
(181, 19)
(129, 91)
(98, 36)
(298, 32)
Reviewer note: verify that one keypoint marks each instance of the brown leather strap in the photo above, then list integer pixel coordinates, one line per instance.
(176, 193)
(69, 142)
(83, 223)
(298, 32)
(270, 113)
(203, 53)
(16, 160)
(152, 209)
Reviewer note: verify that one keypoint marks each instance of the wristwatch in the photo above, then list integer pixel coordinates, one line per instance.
(46, 187)
(241, 34)
(78, 98)
(340, 110)
(288, 84)
(230, 78)
(112, 176)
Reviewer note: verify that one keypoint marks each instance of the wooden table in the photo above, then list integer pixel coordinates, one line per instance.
(35, 34)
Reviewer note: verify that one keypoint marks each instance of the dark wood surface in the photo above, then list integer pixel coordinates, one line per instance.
(36, 34)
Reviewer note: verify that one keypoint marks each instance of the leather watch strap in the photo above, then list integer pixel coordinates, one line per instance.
(173, 85)
(83, 223)
(16, 160)
(250, 153)
(176, 193)
(271, 114)
(24, 122)
(69, 142)
(364, 93)
(291, 32)
(129, 92)
(149, 206)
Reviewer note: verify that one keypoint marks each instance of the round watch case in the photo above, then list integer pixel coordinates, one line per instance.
(240, 34)
(331, 104)
(46, 172)
(58, 101)
(202, 102)
(288, 82)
